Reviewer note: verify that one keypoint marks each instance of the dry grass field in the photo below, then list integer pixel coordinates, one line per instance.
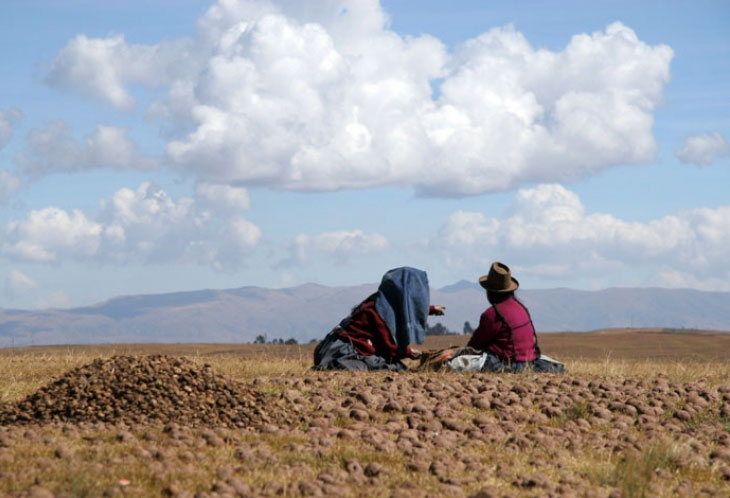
(639, 413)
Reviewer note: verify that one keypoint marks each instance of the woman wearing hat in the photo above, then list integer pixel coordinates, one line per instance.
(505, 329)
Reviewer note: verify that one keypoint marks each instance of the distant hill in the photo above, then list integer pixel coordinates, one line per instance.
(309, 311)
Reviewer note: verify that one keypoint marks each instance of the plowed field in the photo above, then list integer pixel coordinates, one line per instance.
(639, 413)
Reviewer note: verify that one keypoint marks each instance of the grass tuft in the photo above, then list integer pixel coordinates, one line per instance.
(634, 473)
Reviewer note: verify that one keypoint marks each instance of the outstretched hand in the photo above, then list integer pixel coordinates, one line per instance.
(415, 354)
(436, 309)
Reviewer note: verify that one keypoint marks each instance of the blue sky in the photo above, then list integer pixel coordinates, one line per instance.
(160, 146)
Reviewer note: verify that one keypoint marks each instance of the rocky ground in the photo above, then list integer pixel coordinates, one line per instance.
(159, 425)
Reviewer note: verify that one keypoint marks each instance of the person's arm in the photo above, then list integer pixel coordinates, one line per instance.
(436, 309)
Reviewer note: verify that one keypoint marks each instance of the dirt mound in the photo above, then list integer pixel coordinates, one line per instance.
(142, 389)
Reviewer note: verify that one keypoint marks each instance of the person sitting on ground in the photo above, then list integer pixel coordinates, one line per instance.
(506, 333)
(378, 332)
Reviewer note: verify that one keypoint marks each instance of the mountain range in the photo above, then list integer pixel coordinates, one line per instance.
(309, 311)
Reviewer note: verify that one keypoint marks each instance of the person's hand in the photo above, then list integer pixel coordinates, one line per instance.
(415, 354)
(436, 309)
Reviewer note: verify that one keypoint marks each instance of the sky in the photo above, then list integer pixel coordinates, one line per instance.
(171, 145)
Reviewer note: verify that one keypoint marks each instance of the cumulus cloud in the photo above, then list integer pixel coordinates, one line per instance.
(548, 234)
(54, 150)
(17, 282)
(703, 149)
(678, 279)
(58, 299)
(311, 95)
(101, 67)
(9, 184)
(142, 226)
(49, 234)
(341, 245)
(224, 196)
(8, 119)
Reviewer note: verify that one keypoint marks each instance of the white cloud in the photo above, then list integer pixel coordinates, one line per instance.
(341, 245)
(224, 196)
(148, 226)
(322, 96)
(548, 234)
(100, 68)
(9, 184)
(50, 234)
(57, 299)
(54, 150)
(703, 149)
(683, 280)
(142, 226)
(287, 280)
(8, 119)
(17, 282)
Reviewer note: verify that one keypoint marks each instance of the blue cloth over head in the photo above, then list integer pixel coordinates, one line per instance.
(402, 302)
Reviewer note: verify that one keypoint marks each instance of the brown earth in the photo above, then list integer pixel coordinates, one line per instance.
(506, 435)
(625, 344)
(669, 344)
(191, 431)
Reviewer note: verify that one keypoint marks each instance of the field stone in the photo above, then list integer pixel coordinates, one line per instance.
(272, 488)
(417, 466)
(346, 434)
(353, 467)
(63, 453)
(453, 424)
(482, 402)
(725, 472)
(406, 492)
(367, 398)
(720, 454)
(457, 481)
(486, 492)
(359, 414)
(450, 490)
(374, 469)
(39, 492)
(114, 491)
(133, 389)
(310, 488)
(392, 406)
(332, 476)
(212, 439)
(321, 422)
(223, 489)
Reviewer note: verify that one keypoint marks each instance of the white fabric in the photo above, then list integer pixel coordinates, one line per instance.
(547, 358)
(467, 363)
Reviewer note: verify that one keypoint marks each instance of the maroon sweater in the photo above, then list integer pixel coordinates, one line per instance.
(369, 334)
(495, 334)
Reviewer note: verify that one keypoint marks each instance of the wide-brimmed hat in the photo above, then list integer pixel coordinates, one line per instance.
(499, 279)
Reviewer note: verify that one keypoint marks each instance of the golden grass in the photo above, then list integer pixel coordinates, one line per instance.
(102, 463)
(713, 372)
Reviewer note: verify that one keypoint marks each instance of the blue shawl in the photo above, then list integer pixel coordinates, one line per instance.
(402, 301)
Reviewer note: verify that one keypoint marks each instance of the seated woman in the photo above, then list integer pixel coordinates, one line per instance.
(378, 332)
(505, 331)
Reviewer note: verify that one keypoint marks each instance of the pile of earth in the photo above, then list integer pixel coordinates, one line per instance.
(143, 390)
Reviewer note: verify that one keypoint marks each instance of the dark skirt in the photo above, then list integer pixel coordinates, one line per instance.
(334, 353)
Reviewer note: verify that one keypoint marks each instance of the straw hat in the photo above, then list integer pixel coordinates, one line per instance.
(499, 279)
